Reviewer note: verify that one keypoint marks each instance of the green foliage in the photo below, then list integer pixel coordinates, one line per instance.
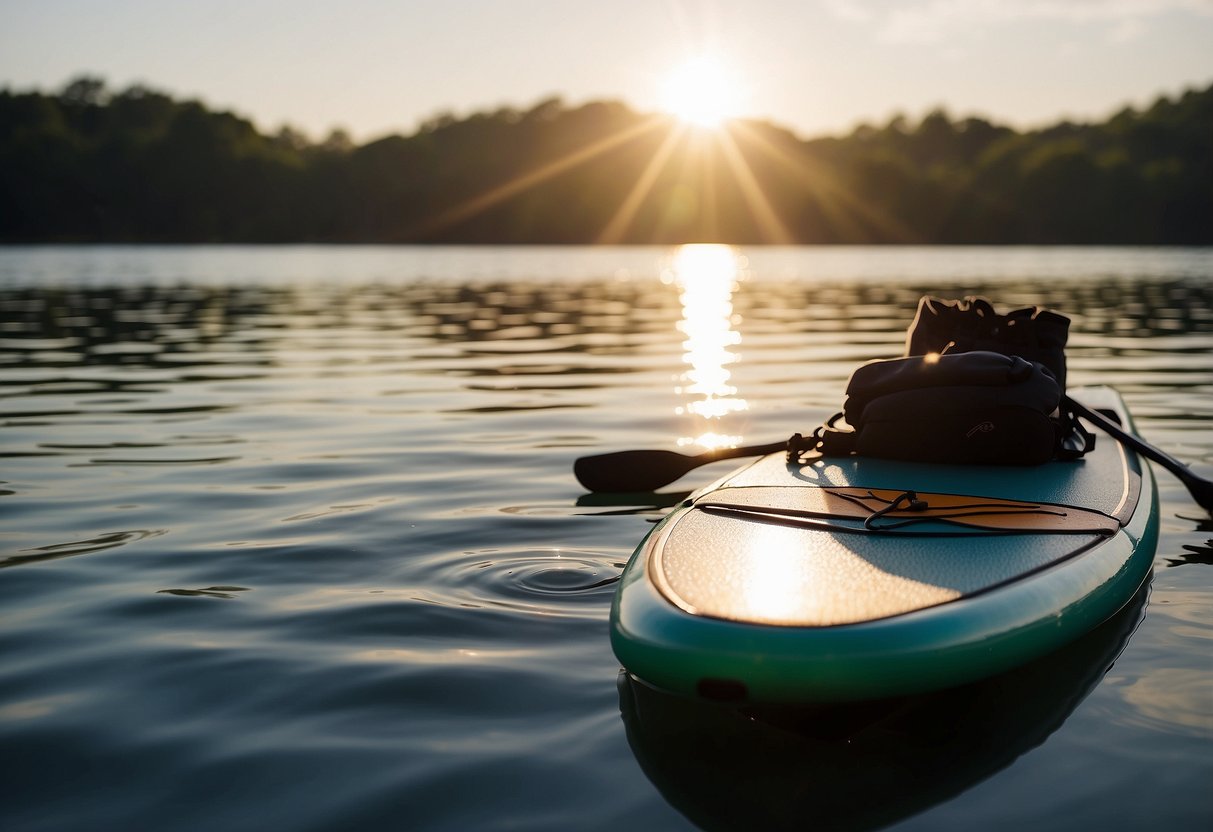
(90, 164)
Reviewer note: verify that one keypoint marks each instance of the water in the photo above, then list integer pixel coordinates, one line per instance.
(291, 541)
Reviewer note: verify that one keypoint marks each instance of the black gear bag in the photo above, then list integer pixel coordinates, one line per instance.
(979, 408)
(976, 387)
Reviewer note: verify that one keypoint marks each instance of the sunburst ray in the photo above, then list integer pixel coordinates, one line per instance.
(770, 225)
(478, 204)
(617, 226)
(843, 207)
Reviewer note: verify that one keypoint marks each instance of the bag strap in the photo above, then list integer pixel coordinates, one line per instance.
(826, 440)
(1074, 441)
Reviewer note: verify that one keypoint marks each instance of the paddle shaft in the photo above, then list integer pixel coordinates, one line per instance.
(1200, 488)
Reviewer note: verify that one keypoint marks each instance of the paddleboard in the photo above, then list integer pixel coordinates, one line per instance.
(848, 578)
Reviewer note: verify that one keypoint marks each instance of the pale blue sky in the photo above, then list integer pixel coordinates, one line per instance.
(816, 66)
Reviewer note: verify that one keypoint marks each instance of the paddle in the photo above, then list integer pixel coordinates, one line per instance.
(649, 470)
(1200, 488)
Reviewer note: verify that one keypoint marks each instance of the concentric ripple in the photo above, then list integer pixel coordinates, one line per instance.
(576, 583)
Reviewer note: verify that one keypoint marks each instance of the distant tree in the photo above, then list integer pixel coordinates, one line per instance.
(291, 138)
(88, 90)
(337, 141)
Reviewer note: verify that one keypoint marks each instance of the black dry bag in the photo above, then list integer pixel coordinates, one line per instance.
(982, 408)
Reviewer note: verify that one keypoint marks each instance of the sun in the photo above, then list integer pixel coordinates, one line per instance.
(702, 91)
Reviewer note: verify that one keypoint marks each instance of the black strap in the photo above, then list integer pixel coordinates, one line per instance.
(826, 440)
(1073, 439)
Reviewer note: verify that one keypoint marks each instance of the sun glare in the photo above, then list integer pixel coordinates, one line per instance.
(702, 92)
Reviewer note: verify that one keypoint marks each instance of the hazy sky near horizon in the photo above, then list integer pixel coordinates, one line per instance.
(816, 66)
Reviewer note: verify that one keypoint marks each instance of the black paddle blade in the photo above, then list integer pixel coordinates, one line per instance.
(649, 470)
(633, 470)
(1201, 491)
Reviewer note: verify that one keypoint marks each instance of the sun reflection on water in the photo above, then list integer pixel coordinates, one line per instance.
(707, 276)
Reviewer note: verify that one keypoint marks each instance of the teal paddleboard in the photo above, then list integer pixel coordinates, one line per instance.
(852, 578)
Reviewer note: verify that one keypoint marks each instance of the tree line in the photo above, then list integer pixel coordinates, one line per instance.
(87, 163)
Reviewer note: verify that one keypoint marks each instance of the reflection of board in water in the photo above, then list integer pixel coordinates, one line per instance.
(858, 766)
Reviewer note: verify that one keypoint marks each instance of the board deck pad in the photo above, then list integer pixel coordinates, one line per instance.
(773, 573)
(765, 569)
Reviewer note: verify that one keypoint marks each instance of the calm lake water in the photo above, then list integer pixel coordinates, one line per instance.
(291, 542)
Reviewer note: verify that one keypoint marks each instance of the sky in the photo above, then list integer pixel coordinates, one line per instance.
(374, 67)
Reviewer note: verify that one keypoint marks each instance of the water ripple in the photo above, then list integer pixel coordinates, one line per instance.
(206, 592)
(544, 581)
(99, 543)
